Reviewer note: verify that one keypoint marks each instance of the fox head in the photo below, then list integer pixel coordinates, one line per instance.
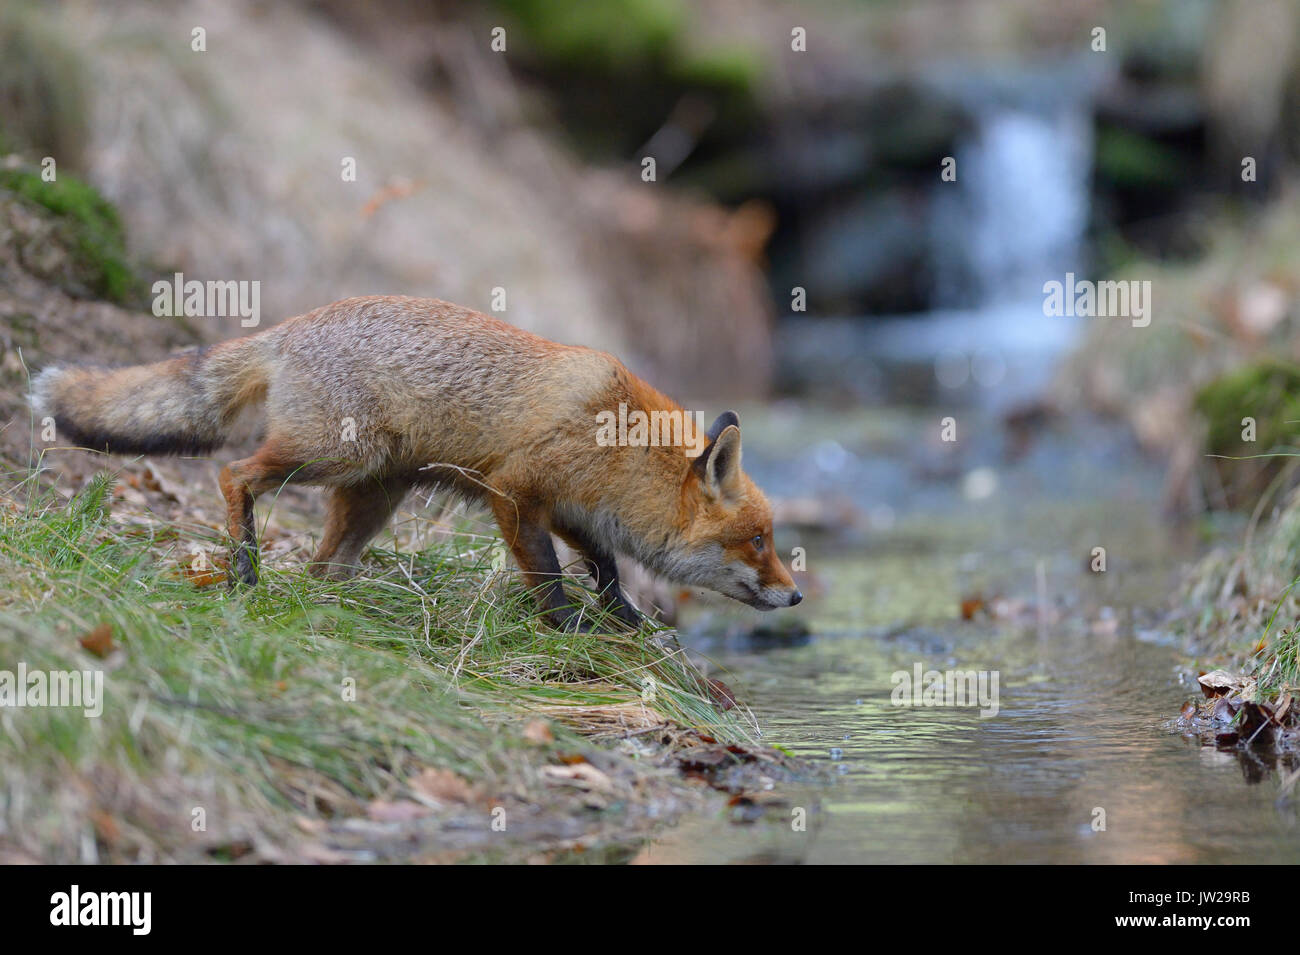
(727, 542)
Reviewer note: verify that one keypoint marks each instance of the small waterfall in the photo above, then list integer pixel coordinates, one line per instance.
(1016, 215)
(1014, 218)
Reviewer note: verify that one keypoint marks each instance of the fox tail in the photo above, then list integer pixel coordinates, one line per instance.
(183, 405)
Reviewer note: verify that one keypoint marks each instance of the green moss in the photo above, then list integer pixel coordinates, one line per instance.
(627, 42)
(595, 58)
(1268, 391)
(92, 226)
(1128, 160)
(734, 68)
(606, 36)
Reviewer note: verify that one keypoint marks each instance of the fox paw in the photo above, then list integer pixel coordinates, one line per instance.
(626, 614)
(243, 567)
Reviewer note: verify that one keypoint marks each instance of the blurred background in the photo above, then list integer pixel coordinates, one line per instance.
(798, 254)
(777, 169)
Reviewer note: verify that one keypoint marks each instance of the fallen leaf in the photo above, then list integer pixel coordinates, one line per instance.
(1220, 683)
(105, 826)
(209, 573)
(581, 775)
(1283, 704)
(1223, 710)
(99, 641)
(1256, 720)
(155, 482)
(441, 785)
(721, 694)
(539, 731)
(402, 810)
(703, 757)
(398, 189)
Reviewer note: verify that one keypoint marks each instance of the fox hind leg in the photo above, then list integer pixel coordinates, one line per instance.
(241, 482)
(356, 514)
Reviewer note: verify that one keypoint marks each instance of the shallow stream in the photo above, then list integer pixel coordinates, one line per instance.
(1081, 762)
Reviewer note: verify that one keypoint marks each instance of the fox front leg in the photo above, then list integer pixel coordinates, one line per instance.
(603, 570)
(531, 544)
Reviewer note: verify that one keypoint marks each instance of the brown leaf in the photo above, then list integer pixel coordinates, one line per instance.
(209, 579)
(106, 826)
(1283, 705)
(582, 775)
(150, 480)
(721, 694)
(213, 573)
(703, 757)
(398, 189)
(1224, 710)
(1256, 721)
(99, 641)
(401, 810)
(1220, 683)
(539, 731)
(971, 606)
(441, 785)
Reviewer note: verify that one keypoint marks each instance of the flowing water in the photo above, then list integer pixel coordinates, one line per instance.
(1081, 763)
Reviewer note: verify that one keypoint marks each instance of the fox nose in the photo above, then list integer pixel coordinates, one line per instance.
(795, 598)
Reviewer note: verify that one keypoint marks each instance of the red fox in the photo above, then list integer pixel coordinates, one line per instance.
(370, 397)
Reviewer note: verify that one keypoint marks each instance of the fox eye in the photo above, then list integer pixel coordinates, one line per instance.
(758, 542)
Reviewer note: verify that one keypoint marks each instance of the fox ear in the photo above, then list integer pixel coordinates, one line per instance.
(719, 466)
(724, 420)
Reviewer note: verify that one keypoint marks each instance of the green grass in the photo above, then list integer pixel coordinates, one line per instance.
(234, 700)
(1277, 664)
(1243, 601)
